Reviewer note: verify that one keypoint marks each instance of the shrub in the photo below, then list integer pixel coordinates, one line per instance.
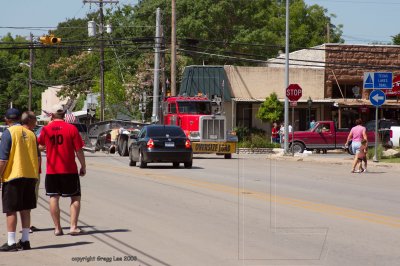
(257, 141)
(371, 152)
(245, 133)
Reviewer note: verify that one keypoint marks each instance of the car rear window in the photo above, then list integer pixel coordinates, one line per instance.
(164, 130)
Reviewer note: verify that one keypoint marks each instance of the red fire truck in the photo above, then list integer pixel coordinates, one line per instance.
(203, 123)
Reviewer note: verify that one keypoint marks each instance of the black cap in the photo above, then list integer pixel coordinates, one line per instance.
(13, 114)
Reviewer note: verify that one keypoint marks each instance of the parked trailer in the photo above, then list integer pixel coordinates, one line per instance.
(100, 135)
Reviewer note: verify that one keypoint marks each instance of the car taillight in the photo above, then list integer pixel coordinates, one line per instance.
(150, 144)
(188, 145)
(391, 133)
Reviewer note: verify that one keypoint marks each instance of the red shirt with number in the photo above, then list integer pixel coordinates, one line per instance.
(61, 140)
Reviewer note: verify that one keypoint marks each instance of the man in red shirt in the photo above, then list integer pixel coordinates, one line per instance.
(62, 141)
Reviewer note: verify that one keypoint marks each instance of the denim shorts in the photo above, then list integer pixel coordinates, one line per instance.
(355, 146)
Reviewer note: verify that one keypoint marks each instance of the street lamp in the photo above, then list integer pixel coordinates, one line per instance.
(309, 103)
(29, 85)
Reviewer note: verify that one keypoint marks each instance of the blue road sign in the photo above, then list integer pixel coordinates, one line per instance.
(377, 97)
(378, 80)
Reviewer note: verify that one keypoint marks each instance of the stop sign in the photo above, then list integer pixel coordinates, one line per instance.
(294, 92)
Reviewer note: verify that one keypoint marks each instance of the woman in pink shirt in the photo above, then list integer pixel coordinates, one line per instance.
(356, 135)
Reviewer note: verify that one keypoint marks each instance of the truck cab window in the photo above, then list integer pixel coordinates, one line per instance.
(322, 128)
(172, 108)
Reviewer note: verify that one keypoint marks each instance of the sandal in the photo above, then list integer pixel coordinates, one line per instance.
(78, 233)
(59, 233)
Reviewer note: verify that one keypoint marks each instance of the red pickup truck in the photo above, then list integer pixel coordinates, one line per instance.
(324, 135)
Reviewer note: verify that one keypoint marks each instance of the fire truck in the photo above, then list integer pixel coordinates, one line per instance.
(203, 123)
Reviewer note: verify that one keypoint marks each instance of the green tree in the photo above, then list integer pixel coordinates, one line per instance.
(75, 74)
(240, 28)
(396, 39)
(271, 109)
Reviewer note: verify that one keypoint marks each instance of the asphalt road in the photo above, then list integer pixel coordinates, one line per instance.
(251, 210)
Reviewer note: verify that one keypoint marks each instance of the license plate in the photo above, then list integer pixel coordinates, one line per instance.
(213, 136)
(169, 144)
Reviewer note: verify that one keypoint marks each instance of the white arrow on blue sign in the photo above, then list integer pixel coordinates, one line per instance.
(377, 97)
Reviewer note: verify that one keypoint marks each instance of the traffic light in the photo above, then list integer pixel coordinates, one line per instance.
(50, 39)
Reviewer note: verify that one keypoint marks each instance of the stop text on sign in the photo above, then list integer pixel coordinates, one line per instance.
(294, 92)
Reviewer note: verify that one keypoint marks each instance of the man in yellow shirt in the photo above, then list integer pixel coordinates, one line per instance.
(19, 169)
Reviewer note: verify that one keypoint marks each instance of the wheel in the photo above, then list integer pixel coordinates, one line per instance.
(228, 156)
(350, 150)
(175, 165)
(131, 162)
(124, 147)
(298, 147)
(142, 164)
(188, 164)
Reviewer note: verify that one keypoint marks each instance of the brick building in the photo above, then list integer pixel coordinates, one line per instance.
(331, 76)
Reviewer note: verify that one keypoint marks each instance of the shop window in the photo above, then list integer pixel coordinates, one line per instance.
(350, 91)
(244, 115)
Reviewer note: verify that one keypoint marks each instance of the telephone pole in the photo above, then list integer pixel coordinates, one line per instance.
(30, 73)
(173, 48)
(156, 83)
(102, 93)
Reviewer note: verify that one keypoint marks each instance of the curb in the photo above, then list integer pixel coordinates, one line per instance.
(347, 161)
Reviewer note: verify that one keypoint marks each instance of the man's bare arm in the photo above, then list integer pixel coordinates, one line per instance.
(2, 167)
(81, 158)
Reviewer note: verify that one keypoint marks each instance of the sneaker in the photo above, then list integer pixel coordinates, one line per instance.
(26, 245)
(365, 170)
(6, 247)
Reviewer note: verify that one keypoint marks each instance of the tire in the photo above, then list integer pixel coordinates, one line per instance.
(124, 147)
(142, 164)
(298, 147)
(350, 150)
(228, 156)
(131, 162)
(188, 164)
(175, 165)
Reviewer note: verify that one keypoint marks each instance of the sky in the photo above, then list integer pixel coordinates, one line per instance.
(364, 21)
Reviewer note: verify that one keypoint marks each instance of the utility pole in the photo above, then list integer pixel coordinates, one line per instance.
(103, 97)
(156, 83)
(328, 32)
(163, 79)
(102, 93)
(173, 48)
(30, 73)
(286, 113)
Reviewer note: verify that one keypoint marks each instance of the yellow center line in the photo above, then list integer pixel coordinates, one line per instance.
(311, 206)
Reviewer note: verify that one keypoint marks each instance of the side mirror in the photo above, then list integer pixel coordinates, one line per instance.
(318, 130)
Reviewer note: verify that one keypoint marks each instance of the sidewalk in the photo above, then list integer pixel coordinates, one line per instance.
(332, 157)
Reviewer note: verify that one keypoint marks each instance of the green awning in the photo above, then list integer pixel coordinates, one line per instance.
(209, 80)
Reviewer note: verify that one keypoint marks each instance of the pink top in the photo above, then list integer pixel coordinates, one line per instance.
(357, 133)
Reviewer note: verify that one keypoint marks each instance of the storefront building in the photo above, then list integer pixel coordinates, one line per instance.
(331, 76)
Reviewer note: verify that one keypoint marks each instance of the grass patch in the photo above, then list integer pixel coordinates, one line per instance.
(390, 160)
